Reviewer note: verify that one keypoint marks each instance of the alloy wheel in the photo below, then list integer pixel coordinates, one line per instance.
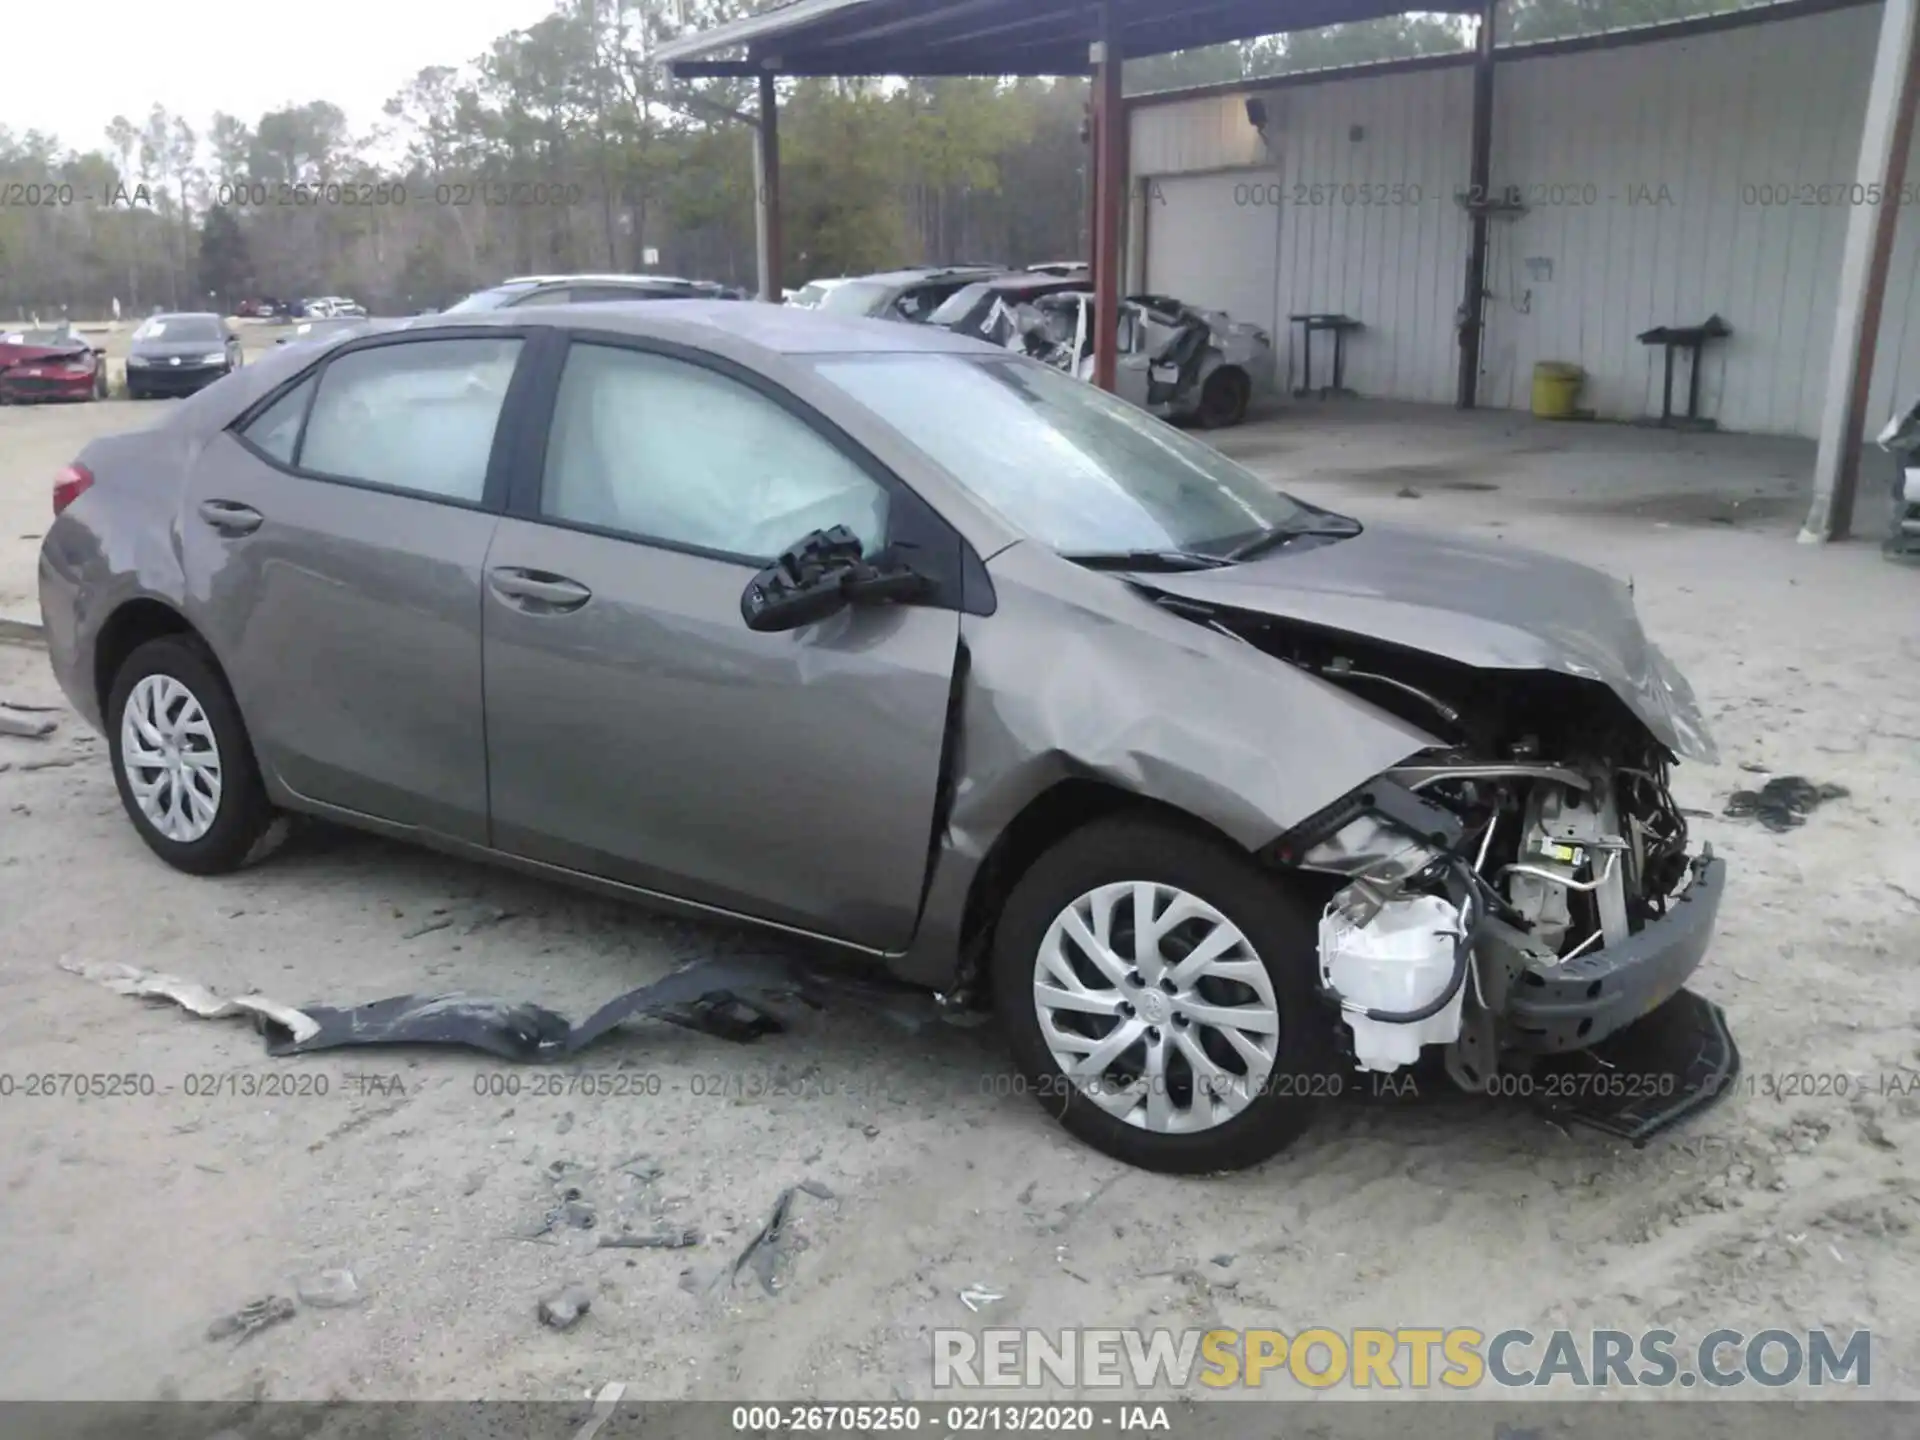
(171, 759)
(1156, 1007)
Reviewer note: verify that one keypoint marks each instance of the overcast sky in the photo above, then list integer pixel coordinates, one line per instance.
(72, 65)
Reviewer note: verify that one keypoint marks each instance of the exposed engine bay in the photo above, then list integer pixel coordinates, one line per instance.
(1515, 893)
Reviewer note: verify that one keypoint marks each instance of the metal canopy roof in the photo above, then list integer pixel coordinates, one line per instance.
(993, 37)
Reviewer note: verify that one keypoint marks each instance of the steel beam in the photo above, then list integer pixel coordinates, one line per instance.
(1110, 192)
(766, 195)
(1473, 299)
(1881, 173)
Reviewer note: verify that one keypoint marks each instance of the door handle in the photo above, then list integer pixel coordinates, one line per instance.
(537, 590)
(230, 517)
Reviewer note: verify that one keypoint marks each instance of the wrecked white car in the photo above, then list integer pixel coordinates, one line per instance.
(1176, 361)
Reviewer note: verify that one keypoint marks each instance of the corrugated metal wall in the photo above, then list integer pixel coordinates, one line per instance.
(1665, 180)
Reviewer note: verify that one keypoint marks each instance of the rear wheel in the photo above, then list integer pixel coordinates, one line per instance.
(1157, 991)
(1223, 399)
(182, 760)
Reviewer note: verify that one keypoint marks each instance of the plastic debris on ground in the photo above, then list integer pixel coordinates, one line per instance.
(24, 726)
(250, 1319)
(563, 1308)
(1783, 803)
(330, 1290)
(196, 999)
(772, 1247)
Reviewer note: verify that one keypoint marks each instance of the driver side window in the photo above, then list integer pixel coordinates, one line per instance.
(662, 449)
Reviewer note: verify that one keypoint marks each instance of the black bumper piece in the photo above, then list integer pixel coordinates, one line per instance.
(1576, 1004)
(1656, 1072)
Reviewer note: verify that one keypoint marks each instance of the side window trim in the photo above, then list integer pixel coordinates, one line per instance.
(959, 575)
(536, 343)
(306, 413)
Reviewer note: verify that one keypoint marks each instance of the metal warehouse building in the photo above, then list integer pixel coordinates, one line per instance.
(1465, 218)
(1660, 176)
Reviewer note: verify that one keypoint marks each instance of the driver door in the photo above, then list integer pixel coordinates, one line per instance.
(637, 730)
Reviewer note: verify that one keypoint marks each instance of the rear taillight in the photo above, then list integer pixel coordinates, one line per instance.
(69, 485)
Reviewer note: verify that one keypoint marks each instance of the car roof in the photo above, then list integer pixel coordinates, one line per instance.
(185, 315)
(776, 329)
(1031, 280)
(596, 279)
(928, 272)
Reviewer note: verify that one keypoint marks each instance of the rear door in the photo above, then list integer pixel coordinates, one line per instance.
(637, 729)
(334, 538)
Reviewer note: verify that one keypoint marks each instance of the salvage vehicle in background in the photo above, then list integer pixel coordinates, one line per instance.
(901, 294)
(1216, 795)
(809, 295)
(177, 354)
(1176, 361)
(306, 330)
(1900, 438)
(50, 362)
(990, 310)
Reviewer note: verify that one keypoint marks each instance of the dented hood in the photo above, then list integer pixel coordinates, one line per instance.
(1491, 606)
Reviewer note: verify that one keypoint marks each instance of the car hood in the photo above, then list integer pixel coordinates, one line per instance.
(1487, 605)
(29, 354)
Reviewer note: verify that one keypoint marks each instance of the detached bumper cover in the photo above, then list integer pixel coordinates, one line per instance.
(1571, 1006)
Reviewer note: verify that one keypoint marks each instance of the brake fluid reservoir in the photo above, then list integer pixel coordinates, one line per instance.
(1400, 960)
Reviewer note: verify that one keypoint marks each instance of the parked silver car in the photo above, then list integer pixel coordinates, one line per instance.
(879, 635)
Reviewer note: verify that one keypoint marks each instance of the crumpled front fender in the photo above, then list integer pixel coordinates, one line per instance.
(1079, 677)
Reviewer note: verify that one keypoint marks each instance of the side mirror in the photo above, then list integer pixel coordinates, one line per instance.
(819, 576)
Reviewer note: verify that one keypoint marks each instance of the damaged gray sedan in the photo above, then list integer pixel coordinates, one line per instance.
(886, 638)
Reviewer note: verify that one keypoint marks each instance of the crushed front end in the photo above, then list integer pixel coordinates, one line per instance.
(1524, 902)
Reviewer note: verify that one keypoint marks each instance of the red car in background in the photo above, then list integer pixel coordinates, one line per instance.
(50, 362)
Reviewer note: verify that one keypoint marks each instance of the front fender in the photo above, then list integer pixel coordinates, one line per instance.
(1079, 676)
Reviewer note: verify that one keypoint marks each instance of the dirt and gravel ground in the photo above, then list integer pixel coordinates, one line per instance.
(128, 1225)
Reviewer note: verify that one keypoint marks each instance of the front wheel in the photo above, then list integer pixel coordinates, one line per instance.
(1157, 991)
(183, 763)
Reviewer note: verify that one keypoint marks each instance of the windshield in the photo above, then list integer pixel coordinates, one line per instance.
(857, 297)
(497, 298)
(1063, 461)
(45, 335)
(190, 328)
(957, 306)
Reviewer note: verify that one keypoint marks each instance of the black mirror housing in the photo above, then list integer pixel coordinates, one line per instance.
(819, 576)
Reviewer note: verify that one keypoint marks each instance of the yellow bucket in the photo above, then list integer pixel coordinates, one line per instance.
(1556, 386)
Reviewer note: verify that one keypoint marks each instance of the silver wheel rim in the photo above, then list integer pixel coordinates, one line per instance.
(1156, 1007)
(170, 758)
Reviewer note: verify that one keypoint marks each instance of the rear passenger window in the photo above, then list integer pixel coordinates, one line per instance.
(276, 429)
(417, 416)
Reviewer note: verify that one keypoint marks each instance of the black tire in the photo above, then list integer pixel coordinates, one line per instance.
(1283, 932)
(245, 827)
(1223, 399)
(102, 385)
